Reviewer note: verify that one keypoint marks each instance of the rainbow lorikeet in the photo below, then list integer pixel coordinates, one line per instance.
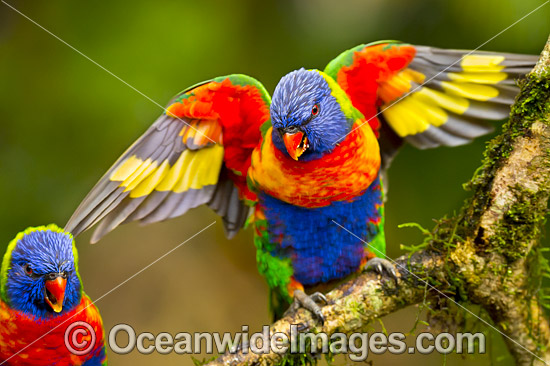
(41, 301)
(309, 161)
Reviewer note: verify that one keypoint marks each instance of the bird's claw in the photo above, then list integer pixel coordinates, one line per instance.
(319, 297)
(381, 266)
(309, 302)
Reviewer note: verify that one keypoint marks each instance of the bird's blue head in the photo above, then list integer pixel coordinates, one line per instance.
(308, 114)
(39, 273)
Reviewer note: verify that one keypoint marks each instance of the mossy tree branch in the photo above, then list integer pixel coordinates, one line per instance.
(488, 253)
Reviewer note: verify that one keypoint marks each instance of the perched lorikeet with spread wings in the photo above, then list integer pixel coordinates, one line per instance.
(309, 161)
(40, 298)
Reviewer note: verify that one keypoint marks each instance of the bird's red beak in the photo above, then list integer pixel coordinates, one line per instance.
(55, 293)
(295, 144)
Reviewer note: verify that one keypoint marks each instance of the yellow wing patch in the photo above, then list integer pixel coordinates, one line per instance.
(194, 169)
(202, 169)
(126, 169)
(476, 63)
(412, 116)
(422, 109)
(470, 91)
(445, 97)
(140, 174)
(478, 77)
(452, 103)
(174, 173)
(147, 186)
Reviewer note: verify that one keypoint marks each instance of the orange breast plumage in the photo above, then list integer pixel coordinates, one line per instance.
(340, 175)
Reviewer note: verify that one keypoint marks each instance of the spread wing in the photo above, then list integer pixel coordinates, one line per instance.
(198, 152)
(428, 96)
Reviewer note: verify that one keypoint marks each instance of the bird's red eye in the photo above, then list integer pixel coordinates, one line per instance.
(28, 269)
(315, 110)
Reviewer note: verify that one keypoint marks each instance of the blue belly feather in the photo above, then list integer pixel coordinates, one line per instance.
(319, 249)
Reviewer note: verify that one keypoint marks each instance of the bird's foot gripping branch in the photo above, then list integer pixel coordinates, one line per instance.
(489, 254)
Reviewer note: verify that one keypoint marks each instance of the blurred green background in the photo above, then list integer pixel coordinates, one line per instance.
(65, 120)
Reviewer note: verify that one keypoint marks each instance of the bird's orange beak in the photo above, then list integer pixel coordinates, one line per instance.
(295, 144)
(55, 293)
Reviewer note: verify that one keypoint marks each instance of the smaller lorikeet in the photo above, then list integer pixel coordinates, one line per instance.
(41, 298)
(308, 162)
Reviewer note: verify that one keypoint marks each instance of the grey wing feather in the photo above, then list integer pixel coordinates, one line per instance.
(444, 74)
(226, 203)
(111, 205)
